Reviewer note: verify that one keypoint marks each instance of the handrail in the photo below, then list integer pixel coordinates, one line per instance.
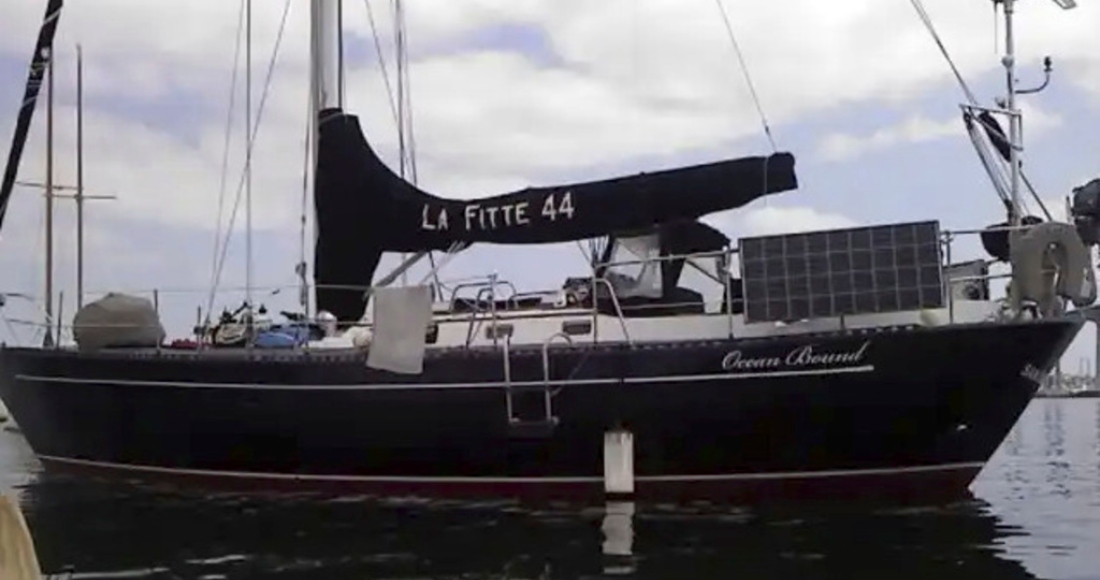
(670, 257)
(478, 281)
(487, 286)
(508, 366)
(481, 283)
(944, 233)
(948, 237)
(614, 302)
(492, 304)
(515, 298)
(546, 354)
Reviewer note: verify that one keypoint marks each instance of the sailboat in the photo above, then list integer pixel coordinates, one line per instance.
(850, 362)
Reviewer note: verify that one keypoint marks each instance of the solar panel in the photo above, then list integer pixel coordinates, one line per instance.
(886, 268)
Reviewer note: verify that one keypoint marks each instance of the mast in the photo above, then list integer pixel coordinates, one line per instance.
(79, 177)
(248, 165)
(327, 72)
(1015, 119)
(79, 194)
(1009, 62)
(326, 92)
(310, 162)
(47, 340)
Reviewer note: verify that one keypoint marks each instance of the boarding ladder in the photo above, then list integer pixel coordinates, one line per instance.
(531, 406)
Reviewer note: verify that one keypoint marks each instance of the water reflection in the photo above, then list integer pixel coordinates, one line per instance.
(1048, 480)
(1057, 467)
(618, 538)
(103, 528)
(1038, 503)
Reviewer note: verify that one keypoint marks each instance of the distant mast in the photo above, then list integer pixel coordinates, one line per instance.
(37, 71)
(248, 171)
(79, 177)
(47, 339)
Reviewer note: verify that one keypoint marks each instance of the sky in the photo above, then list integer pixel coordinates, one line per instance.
(510, 93)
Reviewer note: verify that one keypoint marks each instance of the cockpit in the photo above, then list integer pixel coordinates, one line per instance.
(643, 275)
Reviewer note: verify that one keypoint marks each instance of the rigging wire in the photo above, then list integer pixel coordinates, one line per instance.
(992, 164)
(225, 158)
(404, 107)
(745, 72)
(301, 268)
(399, 47)
(382, 64)
(251, 143)
(927, 20)
(407, 134)
(396, 104)
(402, 118)
(405, 90)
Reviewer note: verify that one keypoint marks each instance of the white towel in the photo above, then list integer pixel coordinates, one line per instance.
(401, 317)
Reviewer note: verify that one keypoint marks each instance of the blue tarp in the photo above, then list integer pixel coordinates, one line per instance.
(283, 336)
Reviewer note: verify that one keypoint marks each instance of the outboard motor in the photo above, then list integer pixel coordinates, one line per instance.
(1085, 212)
(327, 321)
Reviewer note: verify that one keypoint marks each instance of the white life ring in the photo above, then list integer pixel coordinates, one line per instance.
(1049, 260)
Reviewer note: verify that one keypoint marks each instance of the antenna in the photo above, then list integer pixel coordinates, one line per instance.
(1014, 119)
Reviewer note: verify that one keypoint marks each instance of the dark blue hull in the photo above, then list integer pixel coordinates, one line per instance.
(906, 411)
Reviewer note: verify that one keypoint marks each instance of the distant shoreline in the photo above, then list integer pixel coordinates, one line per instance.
(1086, 394)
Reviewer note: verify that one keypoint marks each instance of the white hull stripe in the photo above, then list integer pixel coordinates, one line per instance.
(482, 385)
(972, 465)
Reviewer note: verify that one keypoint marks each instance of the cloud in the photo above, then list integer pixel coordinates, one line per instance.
(629, 81)
(1057, 207)
(767, 220)
(499, 116)
(774, 220)
(915, 129)
(1087, 77)
(161, 177)
(919, 129)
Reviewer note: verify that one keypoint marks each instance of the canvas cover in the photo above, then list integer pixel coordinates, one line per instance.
(364, 209)
(117, 320)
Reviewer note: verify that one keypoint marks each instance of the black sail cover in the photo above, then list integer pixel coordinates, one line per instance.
(364, 209)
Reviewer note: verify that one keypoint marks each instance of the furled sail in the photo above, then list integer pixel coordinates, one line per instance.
(41, 59)
(364, 209)
(408, 219)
